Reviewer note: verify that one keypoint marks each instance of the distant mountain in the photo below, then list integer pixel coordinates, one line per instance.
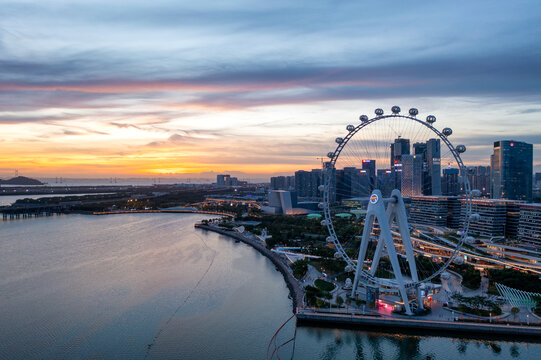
(21, 180)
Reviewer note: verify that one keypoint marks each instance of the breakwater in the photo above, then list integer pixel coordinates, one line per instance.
(295, 288)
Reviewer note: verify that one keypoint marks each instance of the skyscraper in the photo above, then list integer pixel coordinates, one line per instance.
(433, 161)
(450, 184)
(431, 158)
(479, 178)
(302, 183)
(352, 182)
(537, 180)
(412, 175)
(399, 148)
(385, 182)
(512, 170)
(370, 167)
(307, 183)
(282, 183)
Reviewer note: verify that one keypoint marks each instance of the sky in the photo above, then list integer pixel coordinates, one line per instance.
(194, 88)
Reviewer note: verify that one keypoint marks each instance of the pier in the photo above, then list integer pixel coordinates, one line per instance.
(32, 210)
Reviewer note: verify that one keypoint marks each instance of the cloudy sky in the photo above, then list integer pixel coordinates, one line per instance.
(140, 88)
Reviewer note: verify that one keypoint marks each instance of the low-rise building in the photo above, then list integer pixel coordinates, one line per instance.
(434, 210)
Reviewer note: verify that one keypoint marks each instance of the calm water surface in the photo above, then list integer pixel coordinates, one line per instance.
(150, 286)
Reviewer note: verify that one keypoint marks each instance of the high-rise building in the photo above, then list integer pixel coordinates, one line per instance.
(450, 184)
(431, 157)
(412, 175)
(233, 181)
(399, 148)
(352, 182)
(537, 180)
(479, 178)
(316, 179)
(370, 167)
(432, 185)
(385, 181)
(307, 183)
(302, 183)
(223, 179)
(282, 183)
(512, 170)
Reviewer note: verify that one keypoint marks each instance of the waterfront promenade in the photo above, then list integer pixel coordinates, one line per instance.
(312, 317)
(342, 319)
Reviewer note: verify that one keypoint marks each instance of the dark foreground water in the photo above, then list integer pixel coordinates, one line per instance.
(151, 286)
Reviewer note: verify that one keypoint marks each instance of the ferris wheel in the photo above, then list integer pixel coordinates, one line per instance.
(380, 165)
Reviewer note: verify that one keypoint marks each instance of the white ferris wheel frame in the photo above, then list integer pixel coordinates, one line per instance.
(367, 278)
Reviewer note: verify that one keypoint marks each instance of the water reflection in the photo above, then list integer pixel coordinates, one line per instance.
(360, 345)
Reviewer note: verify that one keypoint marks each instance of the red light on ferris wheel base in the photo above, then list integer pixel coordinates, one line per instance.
(512, 144)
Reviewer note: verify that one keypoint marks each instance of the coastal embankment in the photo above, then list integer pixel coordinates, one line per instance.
(310, 317)
(295, 288)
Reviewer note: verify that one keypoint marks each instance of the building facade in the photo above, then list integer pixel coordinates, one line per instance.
(529, 226)
(307, 183)
(498, 217)
(512, 170)
(412, 175)
(439, 211)
(282, 183)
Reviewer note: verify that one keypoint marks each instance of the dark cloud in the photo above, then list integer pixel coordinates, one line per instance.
(491, 75)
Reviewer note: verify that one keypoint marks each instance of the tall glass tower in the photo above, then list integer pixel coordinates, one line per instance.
(512, 170)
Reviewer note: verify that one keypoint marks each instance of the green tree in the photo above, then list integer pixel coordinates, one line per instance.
(339, 301)
(348, 303)
(514, 311)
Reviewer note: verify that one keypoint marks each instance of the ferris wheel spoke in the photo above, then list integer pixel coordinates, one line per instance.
(353, 174)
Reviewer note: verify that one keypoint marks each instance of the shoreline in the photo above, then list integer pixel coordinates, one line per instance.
(184, 211)
(295, 288)
(356, 322)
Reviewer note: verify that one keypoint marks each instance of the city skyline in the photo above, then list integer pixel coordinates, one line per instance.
(96, 90)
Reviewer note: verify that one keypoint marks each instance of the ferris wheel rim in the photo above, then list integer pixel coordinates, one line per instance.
(370, 279)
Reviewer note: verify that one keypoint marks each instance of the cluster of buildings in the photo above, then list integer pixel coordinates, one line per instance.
(226, 180)
(416, 171)
(506, 187)
(507, 190)
(512, 219)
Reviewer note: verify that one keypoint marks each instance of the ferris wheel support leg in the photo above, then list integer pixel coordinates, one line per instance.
(379, 248)
(369, 222)
(402, 220)
(387, 237)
